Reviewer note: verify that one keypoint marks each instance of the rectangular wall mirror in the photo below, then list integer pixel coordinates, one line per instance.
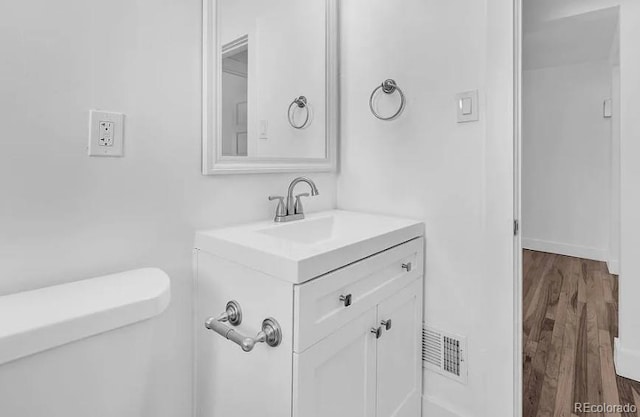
(270, 86)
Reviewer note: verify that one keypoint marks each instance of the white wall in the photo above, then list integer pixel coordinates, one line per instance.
(65, 216)
(566, 166)
(234, 92)
(613, 261)
(629, 315)
(458, 178)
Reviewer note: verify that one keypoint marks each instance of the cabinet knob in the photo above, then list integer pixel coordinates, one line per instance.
(346, 299)
(377, 331)
(407, 266)
(386, 324)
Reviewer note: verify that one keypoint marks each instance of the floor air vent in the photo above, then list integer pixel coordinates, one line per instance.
(444, 353)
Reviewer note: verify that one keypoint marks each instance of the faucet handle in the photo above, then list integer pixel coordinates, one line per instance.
(297, 208)
(281, 211)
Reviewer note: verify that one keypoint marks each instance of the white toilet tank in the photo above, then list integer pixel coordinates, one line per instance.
(84, 349)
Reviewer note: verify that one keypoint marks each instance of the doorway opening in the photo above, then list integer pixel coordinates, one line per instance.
(570, 208)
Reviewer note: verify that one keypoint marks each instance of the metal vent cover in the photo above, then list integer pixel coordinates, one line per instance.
(431, 347)
(444, 353)
(452, 355)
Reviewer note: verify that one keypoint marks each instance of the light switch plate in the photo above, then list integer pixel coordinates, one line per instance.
(106, 133)
(607, 111)
(468, 106)
(264, 129)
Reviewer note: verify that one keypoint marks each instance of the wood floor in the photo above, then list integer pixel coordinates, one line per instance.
(570, 319)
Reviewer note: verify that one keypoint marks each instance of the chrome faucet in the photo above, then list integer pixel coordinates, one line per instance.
(292, 210)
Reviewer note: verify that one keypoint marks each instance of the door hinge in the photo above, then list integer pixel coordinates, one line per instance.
(516, 227)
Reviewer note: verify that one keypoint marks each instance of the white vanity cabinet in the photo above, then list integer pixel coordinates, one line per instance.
(352, 372)
(351, 337)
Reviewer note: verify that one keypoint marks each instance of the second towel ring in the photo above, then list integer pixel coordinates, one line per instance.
(301, 102)
(388, 87)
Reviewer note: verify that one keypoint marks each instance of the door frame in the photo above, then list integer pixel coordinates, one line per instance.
(518, 382)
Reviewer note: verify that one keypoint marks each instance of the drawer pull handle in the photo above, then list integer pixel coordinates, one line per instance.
(377, 331)
(386, 324)
(346, 299)
(407, 266)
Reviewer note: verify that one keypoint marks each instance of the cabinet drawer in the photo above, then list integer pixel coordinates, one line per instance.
(328, 302)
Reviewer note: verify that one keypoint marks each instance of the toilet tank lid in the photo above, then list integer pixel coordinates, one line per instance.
(41, 319)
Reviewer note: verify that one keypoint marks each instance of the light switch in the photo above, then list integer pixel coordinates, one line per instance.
(468, 106)
(466, 103)
(106, 133)
(264, 129)
(607, 111)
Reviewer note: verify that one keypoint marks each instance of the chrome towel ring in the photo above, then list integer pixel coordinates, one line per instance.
(301, 102)
(388, 87)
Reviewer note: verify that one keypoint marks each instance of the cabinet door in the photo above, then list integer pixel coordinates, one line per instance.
(399, 360)
(336, 377)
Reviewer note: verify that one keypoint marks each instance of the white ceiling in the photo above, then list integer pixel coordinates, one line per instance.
(539, 11)
(552, 37)
(242, 57)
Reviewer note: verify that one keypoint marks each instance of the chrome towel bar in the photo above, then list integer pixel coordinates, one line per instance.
(388, 87)
(271, 334)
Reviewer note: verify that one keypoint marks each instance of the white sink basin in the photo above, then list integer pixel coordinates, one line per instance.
(314, 230)
(304, 249)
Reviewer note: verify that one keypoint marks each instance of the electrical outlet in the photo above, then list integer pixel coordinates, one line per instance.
(106, 133)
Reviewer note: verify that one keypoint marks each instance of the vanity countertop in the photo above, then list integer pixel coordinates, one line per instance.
(304, 249)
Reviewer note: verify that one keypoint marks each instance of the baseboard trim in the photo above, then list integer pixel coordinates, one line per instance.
(614, 267)
(433, 408)
(583, 252)
(627, 361)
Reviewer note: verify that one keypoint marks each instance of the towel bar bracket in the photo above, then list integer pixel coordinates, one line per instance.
(232, 314)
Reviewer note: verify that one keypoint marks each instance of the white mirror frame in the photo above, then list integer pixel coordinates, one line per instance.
(212, 160)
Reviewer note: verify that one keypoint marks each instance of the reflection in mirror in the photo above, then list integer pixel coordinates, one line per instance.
(235, 60)
(271, 53)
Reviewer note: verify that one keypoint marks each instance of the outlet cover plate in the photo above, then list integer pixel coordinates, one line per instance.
(106, 133)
